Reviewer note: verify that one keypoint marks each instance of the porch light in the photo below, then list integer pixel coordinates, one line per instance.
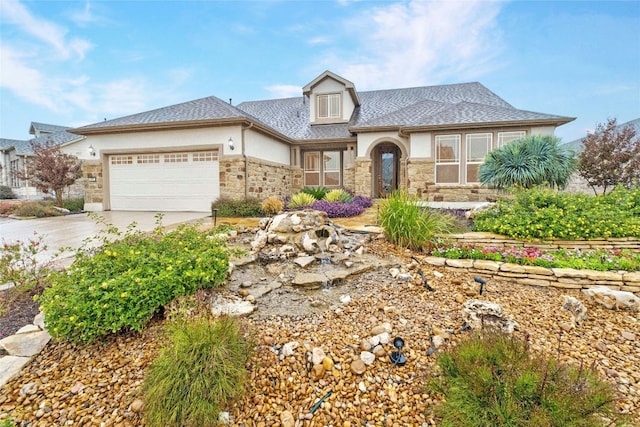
(92, 151)
(232, 146)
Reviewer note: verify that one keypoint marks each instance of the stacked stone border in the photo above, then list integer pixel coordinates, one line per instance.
(564, 278)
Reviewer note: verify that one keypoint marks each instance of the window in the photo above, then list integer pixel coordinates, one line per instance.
(148, 158)
(176, 158)
(507, 137)
(205, 156)
(326, 173)
(121, 160)
(447, 159)
(478, 145)
(14, 165)
(329, 106)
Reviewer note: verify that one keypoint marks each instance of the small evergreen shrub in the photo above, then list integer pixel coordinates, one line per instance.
(546, 214)
(338, 195)
(249, 207)
(493, 380)
(318, 193)
(38, 209)
(198, 374)
(272, 206)
(406, 223)
(74, 205)
(119, 286)
(300, 200)
(6, 192)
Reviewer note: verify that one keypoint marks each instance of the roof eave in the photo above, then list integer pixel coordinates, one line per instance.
(483, 125)
(143, 127)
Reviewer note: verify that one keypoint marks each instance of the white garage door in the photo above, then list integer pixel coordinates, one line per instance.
(187, 181)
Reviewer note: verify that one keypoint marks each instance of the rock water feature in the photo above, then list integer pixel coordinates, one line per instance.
(299, 263)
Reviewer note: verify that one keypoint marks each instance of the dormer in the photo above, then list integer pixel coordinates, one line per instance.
(332, 99)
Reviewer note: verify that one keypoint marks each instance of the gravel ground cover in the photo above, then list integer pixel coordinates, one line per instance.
(98, 385)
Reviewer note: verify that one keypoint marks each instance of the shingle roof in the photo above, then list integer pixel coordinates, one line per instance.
(44, 127)
(577, 143)
(455, 104)
(21, 146)
(203, 109)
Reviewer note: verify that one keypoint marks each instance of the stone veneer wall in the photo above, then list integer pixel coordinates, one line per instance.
(421, 174)
(459, 193)
(565, 278)
(362, 177)
(93, 181)
(264, 179)
(349, 178)
(496, 240)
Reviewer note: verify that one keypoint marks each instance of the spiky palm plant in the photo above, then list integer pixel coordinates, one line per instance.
(528, 162)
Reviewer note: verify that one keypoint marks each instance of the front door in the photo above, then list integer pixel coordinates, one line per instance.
(386, 159)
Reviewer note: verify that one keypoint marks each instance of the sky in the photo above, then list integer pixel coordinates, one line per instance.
(74, 63)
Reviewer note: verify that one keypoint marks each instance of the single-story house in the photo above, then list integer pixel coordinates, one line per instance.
(428, 140)
(14, 154)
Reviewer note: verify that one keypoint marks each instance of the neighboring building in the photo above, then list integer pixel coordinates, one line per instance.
(13, 155)
(427, 140)
(578, 184)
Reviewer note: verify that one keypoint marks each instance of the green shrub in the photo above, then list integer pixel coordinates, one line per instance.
(38, 209)
(527, 162)
(6, 192)
(197, 375)
(338, 195)
(249, 207)
(492, 380)
(545, 214)
(74, 205)
(272, 206)
(300, 200)
(119, 286)
(318, 193)
(406, 223)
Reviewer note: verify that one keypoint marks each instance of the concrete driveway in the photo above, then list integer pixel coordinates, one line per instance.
(71, 230)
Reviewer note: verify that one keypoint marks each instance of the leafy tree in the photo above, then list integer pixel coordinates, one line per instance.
(50, 170)
(611, 156)
(528, 162)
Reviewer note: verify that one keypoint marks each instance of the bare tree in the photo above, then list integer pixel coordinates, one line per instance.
(50, 170)
(611, 156)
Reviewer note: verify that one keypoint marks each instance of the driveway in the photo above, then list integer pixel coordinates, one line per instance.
(71, 230)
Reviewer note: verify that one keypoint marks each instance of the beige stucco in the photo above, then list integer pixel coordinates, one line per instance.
(328, 86)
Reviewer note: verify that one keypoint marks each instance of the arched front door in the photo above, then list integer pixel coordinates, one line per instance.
(386, 160)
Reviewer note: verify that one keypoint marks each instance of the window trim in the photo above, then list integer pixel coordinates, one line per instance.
(321, 172)
(330, 106)
(467, 162)
(457, 162)
(501, 135)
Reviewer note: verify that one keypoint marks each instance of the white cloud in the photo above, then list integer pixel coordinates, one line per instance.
(319, 40)
(419, 42)
(85, 16)
(28, 82)
(45, 31)
(284, 91)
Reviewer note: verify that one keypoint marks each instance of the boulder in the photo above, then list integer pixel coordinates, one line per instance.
(231, 307)
(575, 307)
(25, 344)
(480, 314)
(612, 299)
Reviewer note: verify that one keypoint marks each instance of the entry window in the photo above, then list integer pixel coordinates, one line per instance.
(326, 172)
(176, 158)
(148, 158)
(506, 137)
(328, 106)
(447, 159)
(478, 145)
(121, 160)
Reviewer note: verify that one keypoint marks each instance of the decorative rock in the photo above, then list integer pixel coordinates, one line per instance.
(10, 366)
(601, 346)
(362, 387)
(394, 272)
(384, 338)
(27, 329)
(358, 367)
(612, 299)
(246, 284)
(379, 351)
(438, 274)
(385, 327)
(404, 277)
(243, 292)
(305, 261)
(27, 344)
(328, 364)
(577, 310)
(437, 341)
(367, 357)
(629, 336)
(345, 299)
(136, 406)
(566, 326)
(39, 320)
(317, 355)
(317, 372)
(480, 314)
(224, 418)
(287, 349)
(235, 307)
(29, 389)
(287, 420)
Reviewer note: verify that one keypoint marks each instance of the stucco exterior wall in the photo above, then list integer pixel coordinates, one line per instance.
(266, 148)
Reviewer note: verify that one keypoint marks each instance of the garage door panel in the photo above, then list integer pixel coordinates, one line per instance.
(179, 186)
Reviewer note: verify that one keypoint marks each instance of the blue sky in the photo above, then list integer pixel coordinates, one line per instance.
(78, 62)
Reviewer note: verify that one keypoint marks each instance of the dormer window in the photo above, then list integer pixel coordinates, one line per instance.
(329, 105)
